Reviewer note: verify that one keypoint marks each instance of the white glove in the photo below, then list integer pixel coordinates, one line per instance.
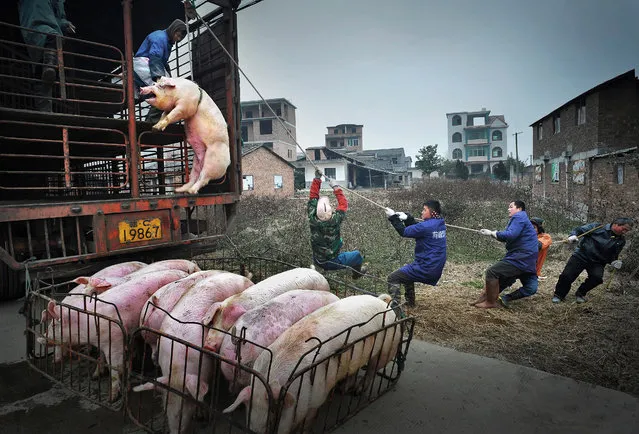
(573, 239)
(616, 264)
(332, 183)
(402, 216)
(488, 232)
(389, 212)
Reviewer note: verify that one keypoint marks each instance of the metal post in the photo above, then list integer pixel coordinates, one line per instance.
(517, 156)
(128, 75)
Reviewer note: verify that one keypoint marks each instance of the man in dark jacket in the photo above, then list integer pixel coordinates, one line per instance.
(325, 224)
(151, 61)
(599, 245)
(49, 18)
(430, 250)
(521, 257)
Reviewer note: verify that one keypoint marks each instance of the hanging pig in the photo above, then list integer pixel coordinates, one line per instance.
(205, 127)
(263, 325)
(319, 338)
(223, 315)
(184, 368)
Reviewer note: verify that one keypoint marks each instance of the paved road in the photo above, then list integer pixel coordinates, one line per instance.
(441, 391)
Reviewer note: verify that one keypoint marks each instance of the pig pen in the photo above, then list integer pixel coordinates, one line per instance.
(85, 371)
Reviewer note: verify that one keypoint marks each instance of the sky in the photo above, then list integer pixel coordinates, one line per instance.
(397, 67)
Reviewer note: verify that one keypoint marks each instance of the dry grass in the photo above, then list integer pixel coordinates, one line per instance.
(597, 342)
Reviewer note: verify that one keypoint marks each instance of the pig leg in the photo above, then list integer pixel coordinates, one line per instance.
(211, 165)
(198, 156)
(175, 115)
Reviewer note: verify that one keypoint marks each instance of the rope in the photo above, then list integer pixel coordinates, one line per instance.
(579, 236)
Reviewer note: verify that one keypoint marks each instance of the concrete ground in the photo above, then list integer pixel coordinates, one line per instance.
(441, 391)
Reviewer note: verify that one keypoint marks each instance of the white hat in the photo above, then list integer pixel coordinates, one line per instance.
(324, 210)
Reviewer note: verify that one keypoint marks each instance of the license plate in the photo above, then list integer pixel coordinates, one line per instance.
(140, 230)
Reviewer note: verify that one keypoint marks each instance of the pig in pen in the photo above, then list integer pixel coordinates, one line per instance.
(206, 388)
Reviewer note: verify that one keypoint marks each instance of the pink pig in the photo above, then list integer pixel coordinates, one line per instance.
(206, 129)
(97, 321)
(184, 368)
(266, 323)
(223, 315)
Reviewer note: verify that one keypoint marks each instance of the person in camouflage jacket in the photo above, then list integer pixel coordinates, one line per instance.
(325, 224)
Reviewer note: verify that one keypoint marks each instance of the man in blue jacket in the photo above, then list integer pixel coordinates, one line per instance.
(599, 245)
(151, 61)
(521, 256)
(430, 250)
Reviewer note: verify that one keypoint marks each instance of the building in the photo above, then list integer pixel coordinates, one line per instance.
(344, 137)
(366, 169)
(477, 139)
(265, 173)
(260, 126)
(584, 151)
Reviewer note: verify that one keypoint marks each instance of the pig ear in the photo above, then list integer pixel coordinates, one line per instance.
(192, 386)
(45, 316)
(208, 317)
(243, 397)
(96, 285)
(82, 280)
(167, 81)
(51, 310)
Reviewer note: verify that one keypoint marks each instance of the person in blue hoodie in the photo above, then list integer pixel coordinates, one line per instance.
(521, 257)
(151, 61)
(430, 250)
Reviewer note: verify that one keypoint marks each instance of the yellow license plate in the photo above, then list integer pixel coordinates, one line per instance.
(140, 230)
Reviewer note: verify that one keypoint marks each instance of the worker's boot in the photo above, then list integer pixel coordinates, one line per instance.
(504, 299)
(49, 63)
(396, 294)
(359, 270)
(410, 294)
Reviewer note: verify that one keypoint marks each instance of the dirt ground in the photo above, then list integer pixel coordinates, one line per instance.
(597, 341)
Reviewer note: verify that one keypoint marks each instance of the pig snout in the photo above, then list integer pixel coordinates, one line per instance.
(147, 90)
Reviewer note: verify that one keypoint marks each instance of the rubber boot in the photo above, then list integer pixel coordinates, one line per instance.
(359, 270)
(409, 293)
(49, 62)
(395, 292)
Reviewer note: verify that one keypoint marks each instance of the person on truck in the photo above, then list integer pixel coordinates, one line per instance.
(42, 22)
(151, 61)
(325, 224)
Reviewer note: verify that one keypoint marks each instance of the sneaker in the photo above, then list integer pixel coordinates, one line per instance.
(556, 299)
(580, 299)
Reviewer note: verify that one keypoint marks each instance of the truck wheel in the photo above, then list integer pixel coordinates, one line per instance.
(10, 287)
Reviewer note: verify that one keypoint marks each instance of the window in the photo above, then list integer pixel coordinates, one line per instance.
(476, 168)
(540, 131)
(619, 173)
(497, 152)
(353, 130)
(245, 134)
(394, 160)
(581, 112)
(333, 143)
(477, 152)
(476, 135)
(247, 182)
(456, 120)
(278, 111)
(330, 172)
(457, 138)
(556, 123)
(496, 136)
(335, 131)
(249, 114)
(457, 154)
(278, 181)
(352, 142)
(290, 154)
(317, 155)
(266, 127)
(285, 111)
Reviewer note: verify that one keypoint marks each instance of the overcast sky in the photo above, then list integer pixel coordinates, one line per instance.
(398, 67)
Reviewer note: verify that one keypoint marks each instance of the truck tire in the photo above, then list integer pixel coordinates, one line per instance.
(10, 287)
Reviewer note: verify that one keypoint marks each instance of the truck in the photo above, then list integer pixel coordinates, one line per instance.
(90, 183)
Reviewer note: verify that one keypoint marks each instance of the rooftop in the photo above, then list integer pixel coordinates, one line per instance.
(270, 101)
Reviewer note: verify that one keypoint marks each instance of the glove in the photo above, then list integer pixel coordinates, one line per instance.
(389, 212)
(488, 232)
(332, 183)
(573, 239)
(616, 264)
(318, 173)
(402, 216)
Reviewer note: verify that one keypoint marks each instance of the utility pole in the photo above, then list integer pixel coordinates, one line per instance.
(517, 155)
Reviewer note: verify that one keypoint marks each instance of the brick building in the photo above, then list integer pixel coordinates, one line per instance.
(588, 146)
(348, 137)
(260, 126)
(266, 173)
